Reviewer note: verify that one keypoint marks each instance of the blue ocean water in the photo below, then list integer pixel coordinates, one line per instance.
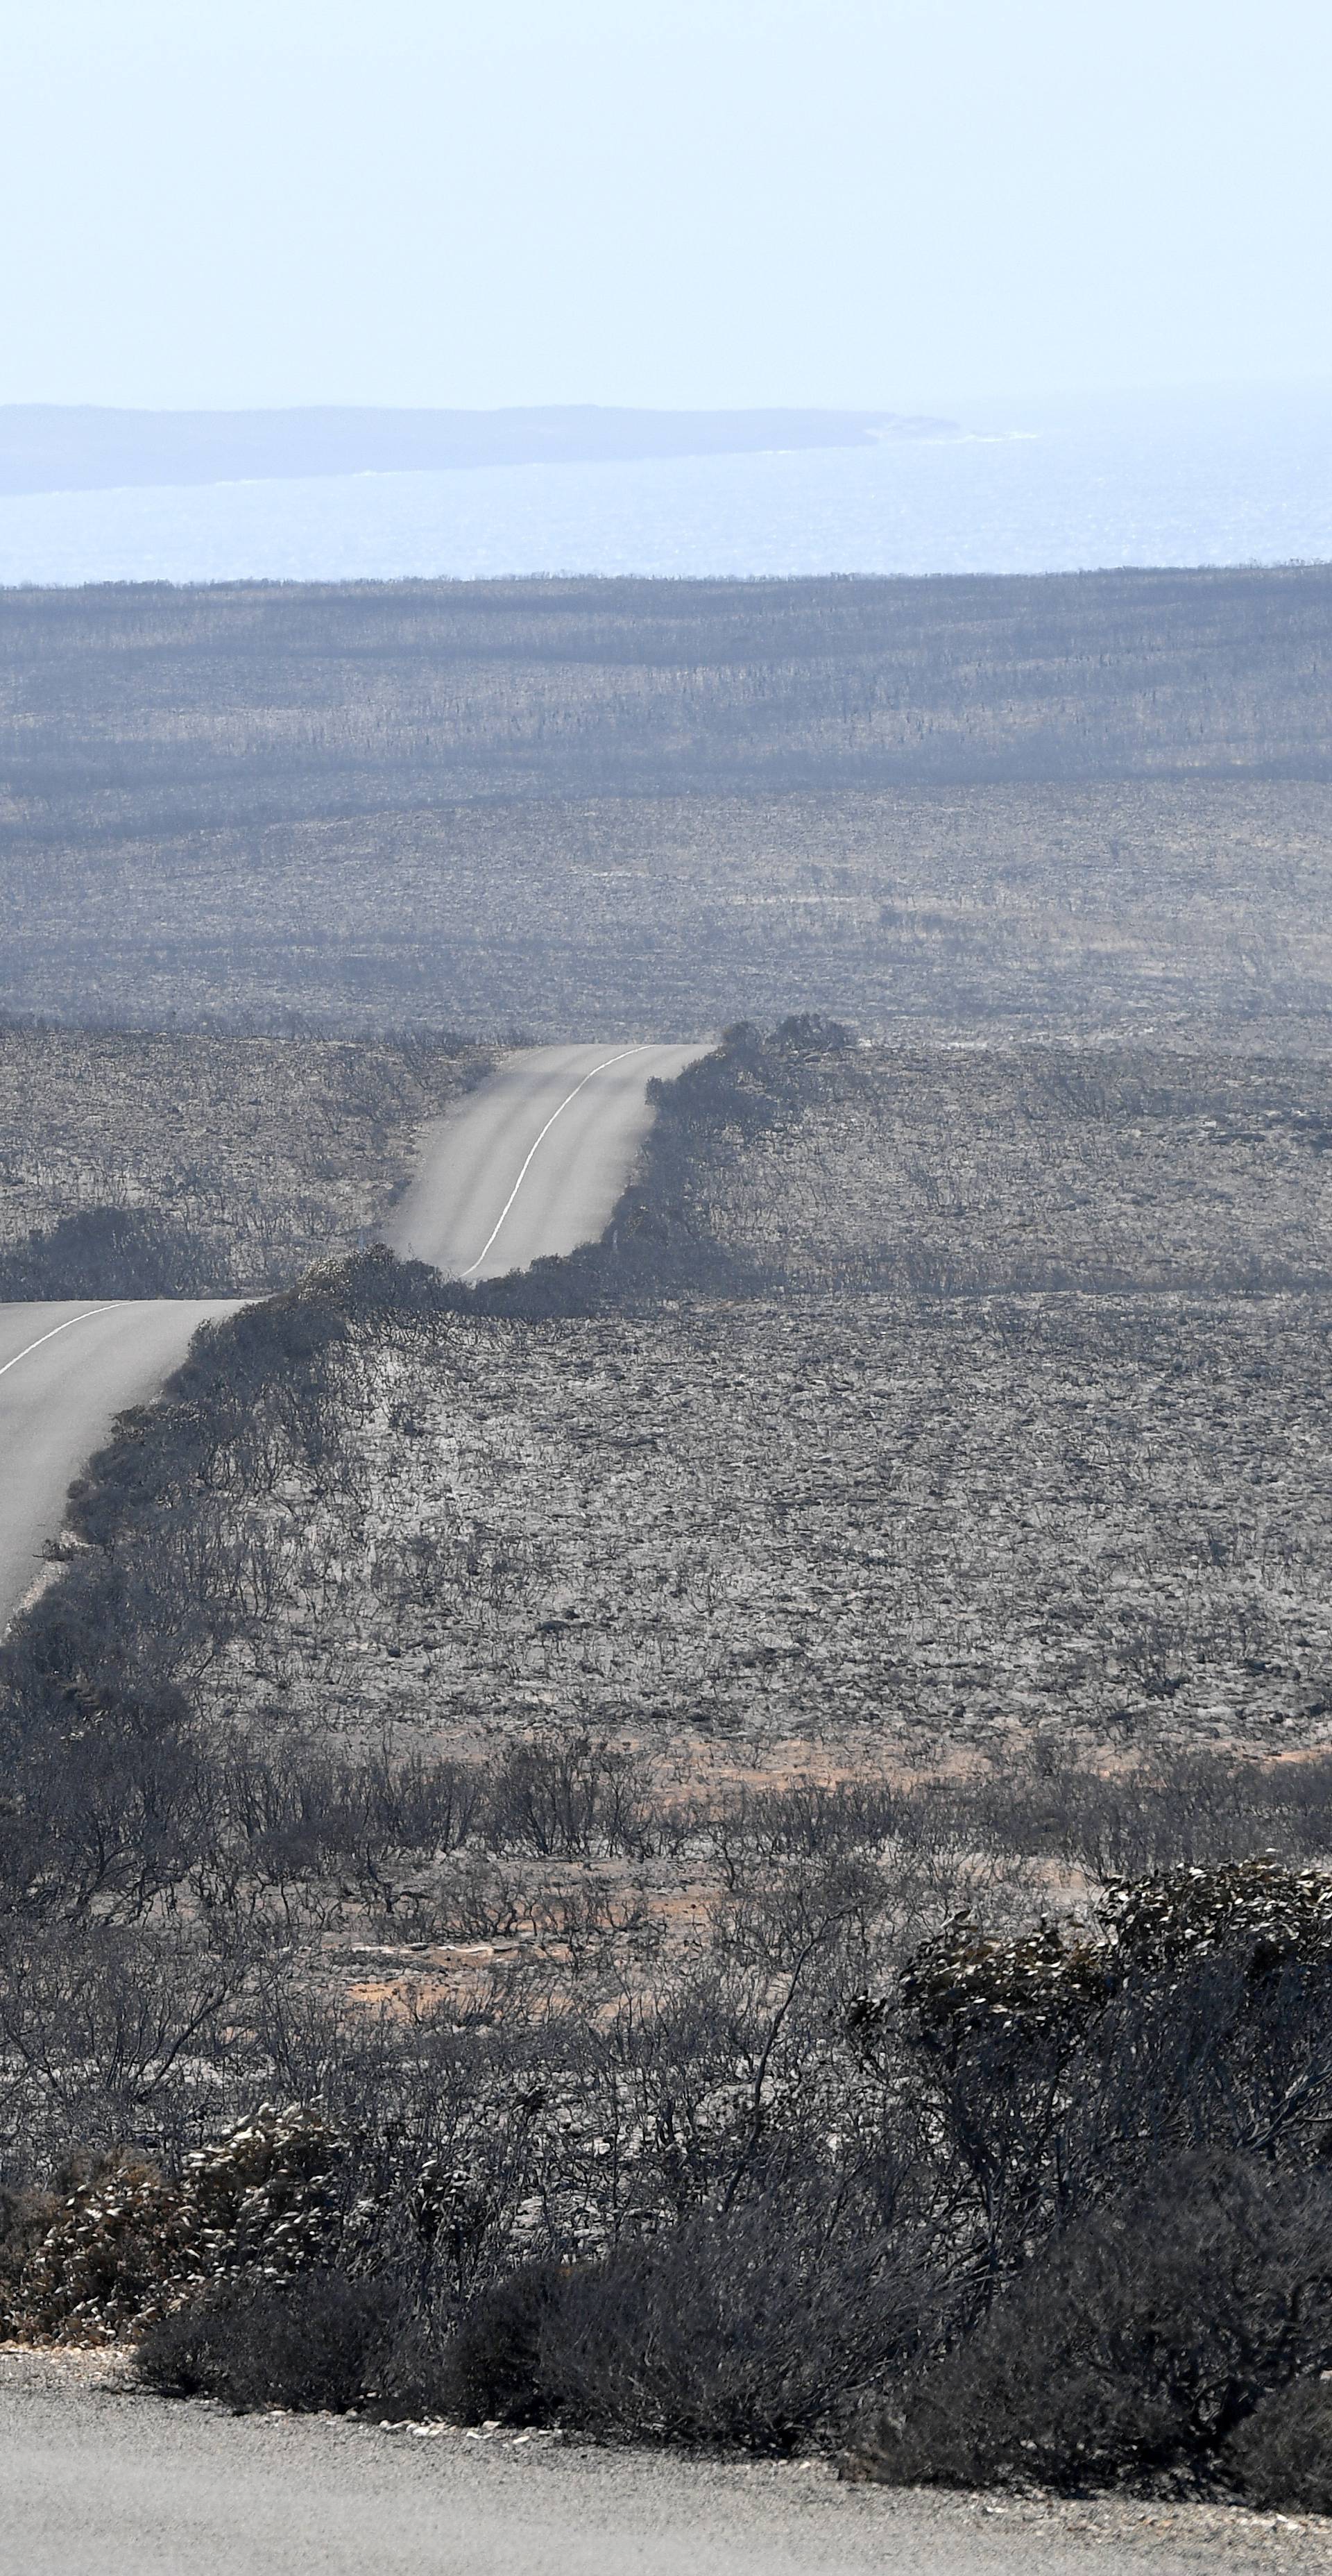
(1197, 478)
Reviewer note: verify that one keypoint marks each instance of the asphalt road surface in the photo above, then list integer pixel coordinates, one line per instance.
(529, 1163)
(99, 2484)
(533, 1160)
(66, 1370)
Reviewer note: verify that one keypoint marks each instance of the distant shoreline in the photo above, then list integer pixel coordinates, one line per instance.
(50, 447)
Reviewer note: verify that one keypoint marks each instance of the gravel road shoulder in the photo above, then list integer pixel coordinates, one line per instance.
(97, 2479)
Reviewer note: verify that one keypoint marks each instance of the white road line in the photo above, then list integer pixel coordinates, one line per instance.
(84, 1318)
(555, 1113)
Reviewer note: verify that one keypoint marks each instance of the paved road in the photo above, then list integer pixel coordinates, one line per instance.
(65, 1371)
(533, 1160)
(106, 2485)
(529, 1163)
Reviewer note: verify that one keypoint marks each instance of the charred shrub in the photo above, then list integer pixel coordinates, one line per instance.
(25, 2217)
(112, 1252)
(1137, 2341)
(1066, 2067)
(1282, 2454)
(501, 2361)
(751, 2326)
(318, 2341)
(115, 2245)
(568, 1799)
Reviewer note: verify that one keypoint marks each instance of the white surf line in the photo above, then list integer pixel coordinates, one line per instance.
(85, 1318)
(555, 1113)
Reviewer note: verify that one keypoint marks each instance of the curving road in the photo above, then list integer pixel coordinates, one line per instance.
(530, 1162)
(533, 1160)
(66, 1371)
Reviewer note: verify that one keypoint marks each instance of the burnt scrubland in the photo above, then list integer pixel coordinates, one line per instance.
(197, 1163)
(726, 1840)
(1061, 806)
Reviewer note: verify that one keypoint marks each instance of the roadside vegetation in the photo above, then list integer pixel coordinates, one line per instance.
(203, 1163)
(599, 1850)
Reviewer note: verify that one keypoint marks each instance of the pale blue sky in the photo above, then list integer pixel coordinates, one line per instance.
(858, 202)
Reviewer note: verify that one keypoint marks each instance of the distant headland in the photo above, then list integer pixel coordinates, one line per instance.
(51, 447)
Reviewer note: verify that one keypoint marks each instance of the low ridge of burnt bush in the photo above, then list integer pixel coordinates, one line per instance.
(801, 1160)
